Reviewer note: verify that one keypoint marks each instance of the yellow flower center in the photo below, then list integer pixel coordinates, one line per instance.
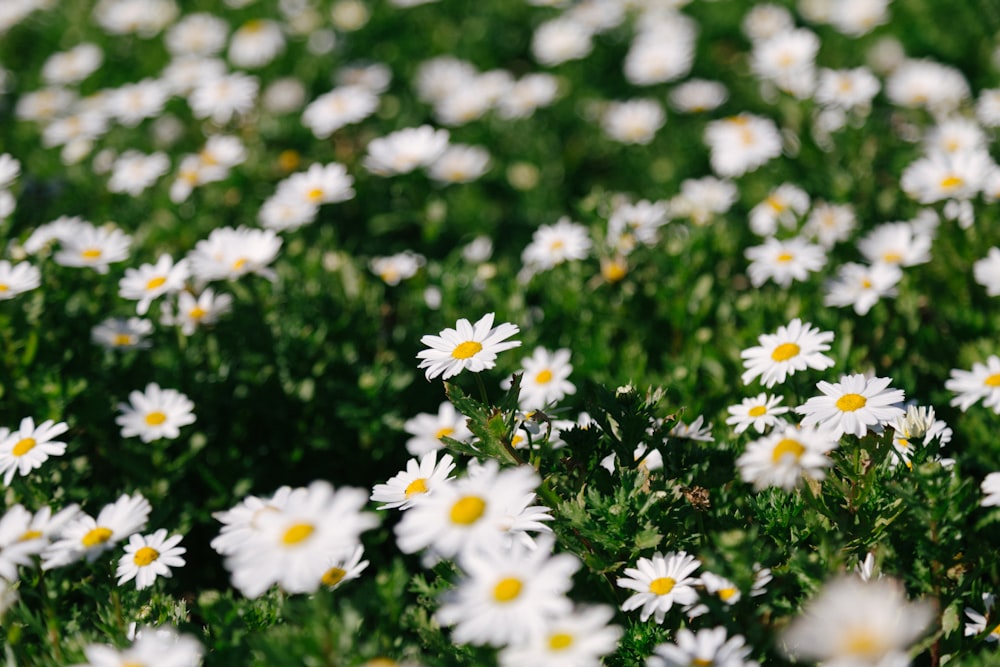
(662, 586)
(30, 535)
(544, 377)
(443, 432)
(727, 594)
(314, 195)
(288, 160)
(96, 537)
(469, 348)
(556, 245)
(702, 662)
(757, 411)
(155, 418)
(253, 26)
(416, 486)
(155, 282)
(785, 257)
(785, 447)
(121, 340)
(4, 288)
(560, 641)
(851, 402)
(239, 264)
(23, 446)
(507, 590)
(333, 576)
(863, 642)
(776, 204)
(467, 510)
(298, 533)
(614, 270)
(867, 284)
(995, 631)
(197, 313)
(785, 351)
(891, 257)
(950, 182)
(91, 253)
(145, 556)
(993, 380)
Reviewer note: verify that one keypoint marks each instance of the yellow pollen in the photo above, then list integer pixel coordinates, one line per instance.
(416, 486)
(891, 257)
(993, 380)
(121, 339)
(255, 25)
(297, 533)
(96, 537)
(776, 204)
(288, 160)
(314, 195)
(155, 282)
(904, 443)
(785, 447)
(467, 510)
(851, 402)
(560, 641)
(995, 631)
(30, 535)
(91, 253)
(757, 411)
(517, 440)
(727, 594)
(197, 313)
(469, 348)
(544, 377)
(443, 432)
(662, 586)
(950, 182)
(239, 264)
(155, 418)
(867, 284)
(145, 556)
(23, 446)
(785, 351)
(863, 642)
(702, 662)
(785, 257)
(556, 245)
(4, 288)
(507, 590)
(333, 576)
(614, 270)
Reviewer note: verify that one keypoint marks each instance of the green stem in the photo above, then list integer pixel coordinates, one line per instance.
(482, 390)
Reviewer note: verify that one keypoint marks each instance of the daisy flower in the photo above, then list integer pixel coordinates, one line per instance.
(17, 278)
(507, 596)
(544, 379)
(659, 583)
(982, 382)
(552, 245)
(223, 97)
(468, 346)
(28, 447)
(256, 43)
(698, 96)
(94, 247)
(830, 223)
(896, 243)
(155, 413)
(784, 205)
(150, 281)
(460, 164)
(18, 545)
(854, 405)
(862, 286)
(986, 271)
(292, 546)
(427, 429)
(148, 557)
(229, 253)
(791, 348)
(344, 568)
(193, 312)
(785, 456)
(579, 637)
(787, 59)
(634, 121)
(87, 537)
(396, 268)
(474, 510)
(404, 150)
(133, 172)
(918, 423)
(8, 596)
(991, 490)
(561, 39)
(853, 622)
(760, 412)
(162, 646)
(239, 523)
(320, 184)
(709, 646)
(980, 622)
(696, 430)
(419, 478)
(742, 143)
(784, 261)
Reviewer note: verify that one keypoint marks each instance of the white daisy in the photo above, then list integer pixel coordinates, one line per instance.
(791, 348)
(634, 121)
(405, 150)
(660, 582)
(830, 223)
(155, 413)
(320, 184)
(855, 405)
(853, 622)
(760, 412)
(990, 487)
(344, 568)
(256, 43)
(18, 543)
(239, 523)
(94, 247)
(420, 477)
(119, 333)
(148, 557)
(223, 97)
(460, 164)
(785, 456)
(88, 537)
(544, 379)
(862, 286)
(28, 447)
(508, 596)
(707, 647)
(17, 279)
(229, 253)
(472, 347)
(162, 646)
(150, 281)
(986, 272)
(133, 172)
(427, 429)
(193, 312)
(398, 267)
(982, 382)
(579, 637)
(980, 622)
(741, 143)
(339, 107)
(698, 96)
(554, 244)
(783, 205)
(783, 261)
(696, 430)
